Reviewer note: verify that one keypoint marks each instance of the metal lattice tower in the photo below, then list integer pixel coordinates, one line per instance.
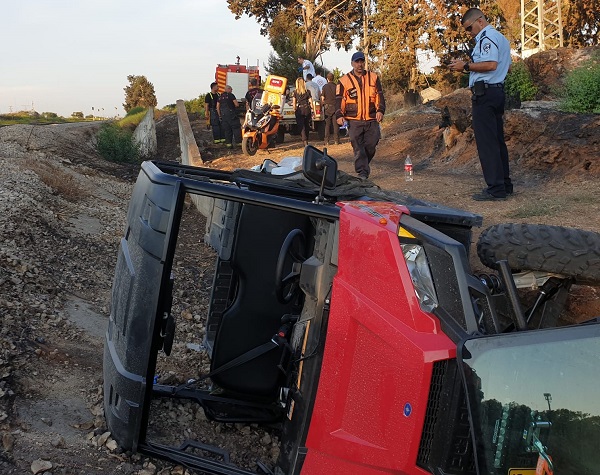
(541, 26)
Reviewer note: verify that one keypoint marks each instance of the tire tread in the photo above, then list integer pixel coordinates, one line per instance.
(538, 247)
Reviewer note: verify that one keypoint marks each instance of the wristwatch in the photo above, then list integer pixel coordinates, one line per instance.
(466, 67)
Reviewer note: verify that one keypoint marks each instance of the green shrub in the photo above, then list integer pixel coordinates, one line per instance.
(135, 110)
(519, 81)
(131, 121)
(195, 106)
(116, 144)
(582, 88)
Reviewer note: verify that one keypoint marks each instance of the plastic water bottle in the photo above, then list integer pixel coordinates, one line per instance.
(408, 169)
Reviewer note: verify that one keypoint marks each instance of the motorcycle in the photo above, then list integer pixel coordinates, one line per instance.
(261, 128)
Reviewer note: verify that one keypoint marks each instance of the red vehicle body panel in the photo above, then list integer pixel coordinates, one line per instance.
(379, 353)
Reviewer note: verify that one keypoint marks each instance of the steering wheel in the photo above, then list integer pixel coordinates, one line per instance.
(291, 252)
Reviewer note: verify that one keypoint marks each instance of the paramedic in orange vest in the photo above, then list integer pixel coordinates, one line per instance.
(359, 100)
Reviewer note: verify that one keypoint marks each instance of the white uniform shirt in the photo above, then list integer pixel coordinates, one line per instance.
(315, 93)
(311, 69)
(320, 81)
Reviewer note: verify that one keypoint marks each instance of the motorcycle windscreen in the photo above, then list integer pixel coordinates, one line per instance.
(533, 399)
(140, 296)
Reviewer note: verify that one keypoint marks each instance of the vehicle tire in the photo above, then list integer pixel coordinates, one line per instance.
(295, 129)
(249, 146)
(320, 128)
(280, 135)
(556, 249)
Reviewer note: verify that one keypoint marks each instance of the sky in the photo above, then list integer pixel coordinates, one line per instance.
(68, 56)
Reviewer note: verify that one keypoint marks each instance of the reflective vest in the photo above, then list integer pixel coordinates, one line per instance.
(361, 99)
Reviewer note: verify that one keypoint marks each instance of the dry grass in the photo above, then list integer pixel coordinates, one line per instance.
(60, 181)
(555, 205)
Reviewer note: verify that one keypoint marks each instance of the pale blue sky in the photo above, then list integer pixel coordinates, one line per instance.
(71, 55)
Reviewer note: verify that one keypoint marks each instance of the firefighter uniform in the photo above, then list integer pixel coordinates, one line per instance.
(213, 116)
(358, 100)
(230, 122)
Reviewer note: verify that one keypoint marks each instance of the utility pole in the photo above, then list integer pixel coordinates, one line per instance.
(541, 26)
(548, 398)
(366, 6)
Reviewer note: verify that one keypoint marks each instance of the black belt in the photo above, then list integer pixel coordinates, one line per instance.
(487, 85)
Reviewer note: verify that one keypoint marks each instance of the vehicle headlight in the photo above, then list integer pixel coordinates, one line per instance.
(420, 274)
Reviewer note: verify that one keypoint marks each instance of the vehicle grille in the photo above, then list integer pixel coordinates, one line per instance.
(431, 415)
(446, 445)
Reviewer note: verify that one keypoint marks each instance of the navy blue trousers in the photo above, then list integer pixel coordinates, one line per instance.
(488, 126)
(364, 137)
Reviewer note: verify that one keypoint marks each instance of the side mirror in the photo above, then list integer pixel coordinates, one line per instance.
(319, 168)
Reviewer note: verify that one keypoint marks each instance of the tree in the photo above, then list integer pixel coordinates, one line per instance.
(139, 93)
(288, 43)
(401, 31)
(323, 23)
(581, 22)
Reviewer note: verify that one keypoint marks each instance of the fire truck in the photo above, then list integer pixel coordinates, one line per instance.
(238, 76)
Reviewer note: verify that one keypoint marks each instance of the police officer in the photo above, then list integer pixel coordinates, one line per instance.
(360, 101)
(489, 64)
(227, 109)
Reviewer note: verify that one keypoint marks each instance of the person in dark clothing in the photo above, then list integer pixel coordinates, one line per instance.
(253, 92)
(302, 104)
(360, 101)
(488, 66)
(328, 101)
(212, 116)
(227, 109)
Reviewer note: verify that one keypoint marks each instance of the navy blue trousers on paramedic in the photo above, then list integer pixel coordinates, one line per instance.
(488, 126)
(364, 137)
(232, 129)
(215, 123)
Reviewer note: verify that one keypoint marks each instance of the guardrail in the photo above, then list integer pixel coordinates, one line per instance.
(190, 154)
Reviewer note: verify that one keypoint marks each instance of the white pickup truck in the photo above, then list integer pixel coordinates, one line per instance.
(288, 118)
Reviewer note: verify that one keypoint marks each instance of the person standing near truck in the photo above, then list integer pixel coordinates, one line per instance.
(315, 90)
(306, 67)
(360, 101)
(252, 92)
(319, 80)
(227, 108)
(210, 112)
(488, 66)
(302, 104)
(328, 98)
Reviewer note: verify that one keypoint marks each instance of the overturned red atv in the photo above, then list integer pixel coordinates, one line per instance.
(345, 322)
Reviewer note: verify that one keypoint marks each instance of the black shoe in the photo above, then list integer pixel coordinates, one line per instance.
(509, 190)
(487, 196)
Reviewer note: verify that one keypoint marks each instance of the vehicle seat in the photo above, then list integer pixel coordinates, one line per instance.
(255, 314)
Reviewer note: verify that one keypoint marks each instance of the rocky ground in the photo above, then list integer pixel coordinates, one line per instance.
(62, 213)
